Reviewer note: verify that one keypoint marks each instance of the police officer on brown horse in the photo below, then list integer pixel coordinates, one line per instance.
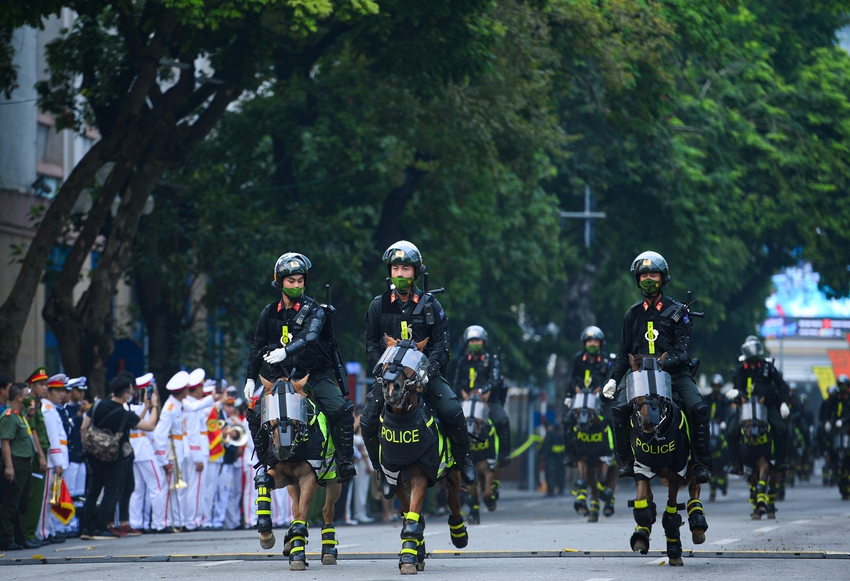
(406, 312)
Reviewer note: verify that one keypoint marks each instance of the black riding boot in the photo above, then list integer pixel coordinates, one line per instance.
(701, 418)
(503, 430)
(622, 436)
(456, 428)
(343, 436)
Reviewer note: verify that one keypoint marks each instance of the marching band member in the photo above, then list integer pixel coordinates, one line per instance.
(168, 450)
(145, 470)
(196, 451)
(57, 456)
(212, 472)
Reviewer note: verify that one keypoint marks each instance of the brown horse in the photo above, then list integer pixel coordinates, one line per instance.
(756, 454)
(484, 454)
(301, 479)
(414, 455)
(591, 436)
(662, 448)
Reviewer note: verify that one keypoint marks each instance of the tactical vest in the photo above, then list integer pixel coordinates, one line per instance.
(282, 326)
(404, 438)
(414, 325)
(474, 374)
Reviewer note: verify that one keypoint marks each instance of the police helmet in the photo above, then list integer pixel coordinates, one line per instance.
(804, 399)
(843, 382)
(404, 252)
(289, 264)
(752, 347)
(475, 332)
(717, 379)
(792, 386)
(593, 332)
(650, 261)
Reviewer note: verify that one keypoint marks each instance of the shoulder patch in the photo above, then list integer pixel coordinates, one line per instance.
(170, 407)
(8, 412)
(442, 314)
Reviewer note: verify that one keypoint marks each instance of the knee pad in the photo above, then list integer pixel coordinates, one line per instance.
(644, 514)
(455, 417)
(262, 479)
(344, 412)
(620, 414)
(671, 521)
(700, 413)
(369, 423)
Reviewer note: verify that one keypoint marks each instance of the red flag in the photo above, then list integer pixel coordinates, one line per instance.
(214, 434)
(64, 511)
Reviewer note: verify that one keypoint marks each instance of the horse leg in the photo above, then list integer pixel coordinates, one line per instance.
(752, 481)
(457, 530)
(696, 514)
(608, 494)
(413, 529)
(763, 467)
(474, 501)
(671, 521)
(593, 512)
(644, 514)
(490, 496)
(580, 488)
(329, 542)
(264, 483)
(296, 536)
(774, 482)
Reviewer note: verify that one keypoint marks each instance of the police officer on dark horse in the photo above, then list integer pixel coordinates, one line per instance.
(404, 312)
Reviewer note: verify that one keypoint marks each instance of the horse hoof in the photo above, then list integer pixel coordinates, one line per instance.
(408, 568)
(328, 560)
(287, 548)
(755, 516)
(420, 566)
(640, 543)
(297, 566)
(698, 537)
(771, 515)
(268, 542)
(676, 562)
(593, 517)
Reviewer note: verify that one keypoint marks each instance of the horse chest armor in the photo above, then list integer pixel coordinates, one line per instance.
(673, 451)
(404, 438)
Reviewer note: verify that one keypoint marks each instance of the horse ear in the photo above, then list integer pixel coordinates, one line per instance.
(422, 343)
(390, 341)
(633, 362)
(266, 384)
(298, 386)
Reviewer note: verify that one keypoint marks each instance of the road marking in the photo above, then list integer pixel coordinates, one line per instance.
(347, 546)
(533, 504)
(725, 542)
(79, 548)
(600, 579)
(216, 563)
(765, 529)
(799, 522)
(660, 561)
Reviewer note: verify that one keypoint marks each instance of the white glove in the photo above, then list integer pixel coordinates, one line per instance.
(568, 401)
(275, 356)
(838, 423)
(732, 394)
(722, 426)
(827, 427)
(609, 389)
(249, 390)
(784, 411)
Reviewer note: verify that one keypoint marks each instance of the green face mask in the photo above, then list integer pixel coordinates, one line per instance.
(592, 349)
(475, 347)
(293, 292)
(402, 283)
(650, 286)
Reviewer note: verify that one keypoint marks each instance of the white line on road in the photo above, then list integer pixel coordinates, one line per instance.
(725, 542)
(347, 546)
(765, 529)
(600, 579)
(216, 563)
(536, 503)
(799, 522)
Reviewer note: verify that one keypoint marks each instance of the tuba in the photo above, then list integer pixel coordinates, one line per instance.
(177, 482)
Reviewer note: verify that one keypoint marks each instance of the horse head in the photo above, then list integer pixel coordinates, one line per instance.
(402, 373)
(477, 414)
(585, 409)
(753, 418)
(649, 391)
(286, 413)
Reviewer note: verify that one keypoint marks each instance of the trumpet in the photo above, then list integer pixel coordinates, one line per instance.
(56, 490)
(233, 434)
(177, 483)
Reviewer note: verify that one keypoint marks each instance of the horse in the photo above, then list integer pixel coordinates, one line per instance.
(719, 459)
(299, 453)
(484, 454)
(414, 452)
(840, 455)
(593, 445)
(661, 444)
(757, 455)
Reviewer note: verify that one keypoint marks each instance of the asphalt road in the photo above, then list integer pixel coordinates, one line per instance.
(529, 535)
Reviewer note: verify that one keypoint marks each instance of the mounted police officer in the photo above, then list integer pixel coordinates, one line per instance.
(292, 341)
(660, 327)
(756, 377)
(481, 370)
(591, 369)
(718, 404)
(405, 312)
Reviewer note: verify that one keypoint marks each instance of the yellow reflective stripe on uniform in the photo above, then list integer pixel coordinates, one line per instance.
(26, 423)
(405, 332)
(557, 449)
(587, 377)
(427, 424)
(641, 503)
(749, 387)
(284, 335)
(650, 332)
(471, 378)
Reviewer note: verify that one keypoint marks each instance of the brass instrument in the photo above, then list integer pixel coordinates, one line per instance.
(177, 483)
(56, 490)
(233, 434)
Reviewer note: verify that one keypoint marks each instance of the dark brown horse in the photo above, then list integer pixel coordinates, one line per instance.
(414, 455)
(757, 455)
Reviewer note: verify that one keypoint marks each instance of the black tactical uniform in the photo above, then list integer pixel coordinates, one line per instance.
(758, 378)
(483, 371)
(654, 330)
(588, 371)
(420, 317)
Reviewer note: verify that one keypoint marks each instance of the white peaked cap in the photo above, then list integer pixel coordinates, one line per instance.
(178, 382)
(196, 378)
(144, 380)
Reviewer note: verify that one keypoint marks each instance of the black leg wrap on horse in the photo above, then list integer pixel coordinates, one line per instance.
(329, 541)
(296, 539)
(644, 514)
(264, 483)
(605, 493)
(503, 431)
(412, 536)
(671, 521)
(580, 492)
(457, 528)
(622, 439)
(696, 515)
(343, 436)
